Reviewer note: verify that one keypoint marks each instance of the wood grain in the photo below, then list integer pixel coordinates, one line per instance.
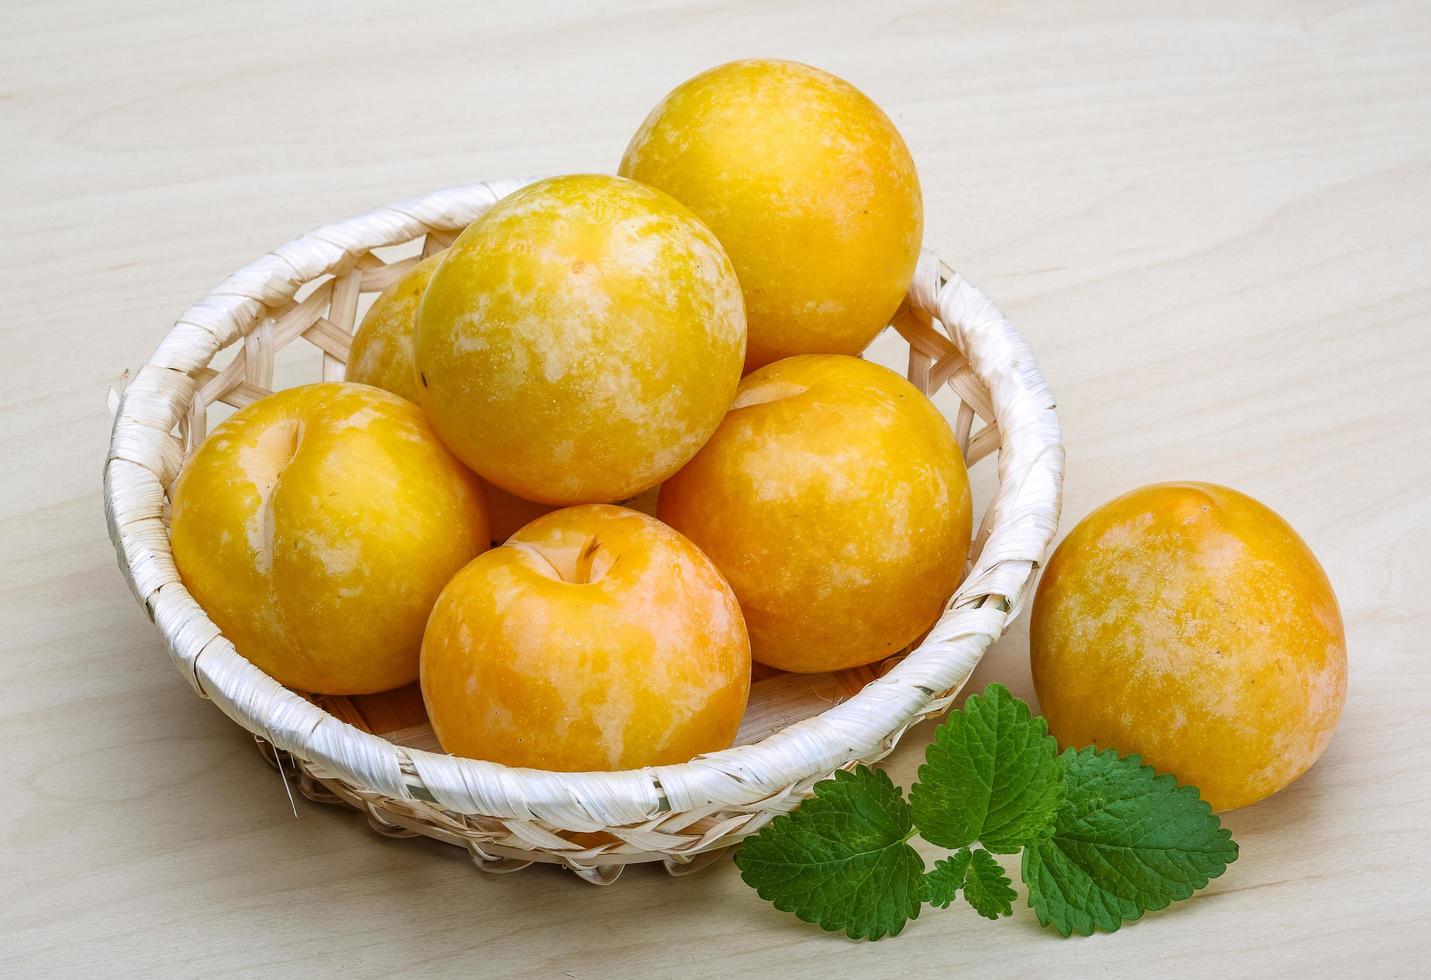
(1212, 220)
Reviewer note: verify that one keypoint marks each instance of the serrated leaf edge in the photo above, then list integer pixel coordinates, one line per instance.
(1002, 880)
(1108, 752)
(943, 732)
(960, 860)
(840, 776)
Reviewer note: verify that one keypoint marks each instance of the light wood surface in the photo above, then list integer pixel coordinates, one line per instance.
(1212, 220)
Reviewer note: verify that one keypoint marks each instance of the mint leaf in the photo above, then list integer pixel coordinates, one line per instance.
(946, 878)
(978, 876)
(1126, 841)
(987, 888)
(842, 859)
(991, 775)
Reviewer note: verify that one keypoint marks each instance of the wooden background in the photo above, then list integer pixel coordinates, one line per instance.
(1210, 219)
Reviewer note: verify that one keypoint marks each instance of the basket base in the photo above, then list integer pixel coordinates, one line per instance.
(777, 700)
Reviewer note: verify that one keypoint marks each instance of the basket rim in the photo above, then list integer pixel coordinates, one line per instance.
(1022, 521)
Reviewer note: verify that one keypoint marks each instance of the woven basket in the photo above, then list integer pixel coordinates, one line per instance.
(798, 729)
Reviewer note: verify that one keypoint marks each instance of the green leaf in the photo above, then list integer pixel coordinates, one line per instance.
(1126, 841)
(842, 859)
(987, 888)
(946, 878)
(991, 775)
(978, 876)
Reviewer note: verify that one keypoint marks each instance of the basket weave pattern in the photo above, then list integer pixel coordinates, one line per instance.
(592, 823)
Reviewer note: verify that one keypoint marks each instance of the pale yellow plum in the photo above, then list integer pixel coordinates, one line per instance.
(834, 499)
(1189, 624)
(596, 638)
(581, 340)
(317, 526)
(809, 187)
(382, 356)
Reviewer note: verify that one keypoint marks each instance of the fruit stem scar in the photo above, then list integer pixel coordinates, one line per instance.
(562, 566)
(547, 567)
(582, 573)
(297, 436)
(774, 391)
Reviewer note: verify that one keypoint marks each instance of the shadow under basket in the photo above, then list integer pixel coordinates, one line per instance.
(377, 752)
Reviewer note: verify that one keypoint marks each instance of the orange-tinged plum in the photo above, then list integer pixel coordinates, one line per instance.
(596, 638)
(581, 340)
(834, 499)
(809, 187)
(382, 356)
(1189, 624)
(317, 527)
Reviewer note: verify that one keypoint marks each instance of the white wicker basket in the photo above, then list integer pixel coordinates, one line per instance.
(593, 823)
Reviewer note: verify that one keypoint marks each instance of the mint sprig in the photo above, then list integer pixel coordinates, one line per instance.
(1104, 838)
